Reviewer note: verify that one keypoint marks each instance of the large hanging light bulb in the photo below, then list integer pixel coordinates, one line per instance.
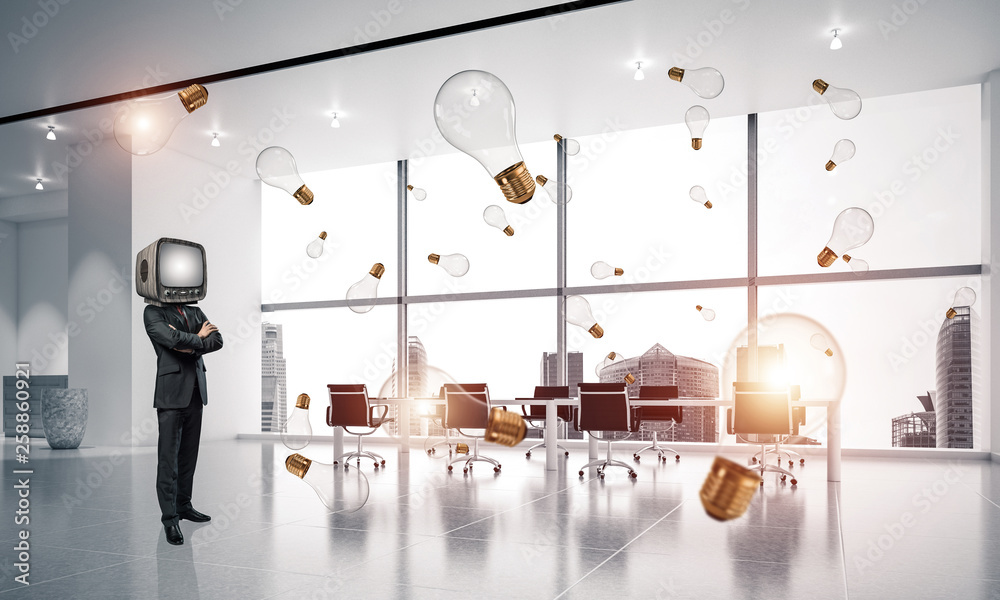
(965, 296)
(361, 295)
(485, 132)
(341, 490)
(297, 425)
(852, 229)
(844, 103)
(697, 119)
(843, 151)
(578, 313)
(706, 82)
(143, 126)
(276, 167)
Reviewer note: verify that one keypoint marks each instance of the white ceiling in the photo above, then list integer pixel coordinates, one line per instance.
(570, 74)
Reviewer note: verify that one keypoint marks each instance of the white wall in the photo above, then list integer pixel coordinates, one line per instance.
(8, 297)
(42, 292)
(177, 196)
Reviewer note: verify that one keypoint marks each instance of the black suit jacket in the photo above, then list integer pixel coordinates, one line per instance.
(177, 372)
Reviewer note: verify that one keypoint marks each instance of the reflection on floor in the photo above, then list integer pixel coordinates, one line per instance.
(891, 529)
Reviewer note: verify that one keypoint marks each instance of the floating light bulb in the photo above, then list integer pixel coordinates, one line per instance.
(38, 185)
(143, 126)
(578, 313)
(504, 427)
(706, 82)
(602, 270)
(843, 151)
(418, 193)
(697, 120)
(853, 228)
(570, 147)
(629, 378)
(965, 296)
(819, 342)
(335, 123)
(297, 425)
(551, 187)
(610, 359)
(639, 75)
(455, 264)
(494, 216)
(315, 247)
(485, 132)
(706, 313)
(836, 43)
(276, 167)
(844, 103)
(698, 194)
(340, 490)
(51, 135)
(728, 489)
(857, 265)
(215, 140)
(361, 295)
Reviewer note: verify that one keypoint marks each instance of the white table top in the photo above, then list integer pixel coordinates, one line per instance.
(574, 402)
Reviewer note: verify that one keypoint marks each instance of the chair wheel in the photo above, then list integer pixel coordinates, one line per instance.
(754, 460)
(496, 469)
(635, 456)
(336, 462)
(633, 474)
(802, 461)
(567, 453)
(581, 473)
(601, 475)
(499, 466)
(782, 478)
(527, 454)
(429, 452)
(383, 463)
(465, 470)
(790, 464)
(449, 468)
(636, 459)
(376, 465)
(761, 483)
(678, 457)
(794, 482)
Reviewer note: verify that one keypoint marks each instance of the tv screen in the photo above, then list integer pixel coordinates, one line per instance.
(180, 266)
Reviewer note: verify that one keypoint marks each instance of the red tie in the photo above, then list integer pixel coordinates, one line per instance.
(185, 318)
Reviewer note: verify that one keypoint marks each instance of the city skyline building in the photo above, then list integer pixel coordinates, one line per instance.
(916, 429)
(273, 384)
(953, 403)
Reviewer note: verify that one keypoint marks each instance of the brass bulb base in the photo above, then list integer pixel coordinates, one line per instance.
(557, 137)
(728, 489)
(304, 195)
(820, 86)
(826, 257)
(951, 313)
(508, 230)
(597, 331)
(830, 165)
(828, 352)
(708, 204)
(698, 307)
(619, 272)
(461, 448)
(322, 235)
(433, 258)
(611, 355)
(847, 258)
(377, 270)
(696, 143)
(676, 73)
(297, 465)
(505, 428)
(193, 97)
(302, 401)
(409, 187)
(629, 378)
(541, 179)
(516, 183)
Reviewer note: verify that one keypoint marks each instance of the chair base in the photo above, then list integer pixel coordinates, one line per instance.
(759, 465)
(661, 452)
(360, 453)
(542, 445)
(474, 457)
(608, 461)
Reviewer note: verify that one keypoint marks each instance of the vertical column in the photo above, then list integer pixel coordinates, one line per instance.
(752, 246)
(402, 337)
(560, 262)
(991, 260)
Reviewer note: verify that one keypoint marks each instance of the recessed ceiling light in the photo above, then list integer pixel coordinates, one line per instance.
(215, 140)
(835, 43)
(51, 135)
(474, 101)
(639, 75)
(39, 186)
(335, 123)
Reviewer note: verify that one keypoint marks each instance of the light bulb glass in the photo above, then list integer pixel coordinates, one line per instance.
(38, 185)
(965, 296)
(819, 342)
(602, 270)
(361, 295)
(418, 193)
(485, 132)
(570, 147)
(639, 75)
(456, 265)
(844, 103)
(857, 265)
(297, 425)
(698, 194)
(852, 229)
(144, 125)
(342, 490)
(276, 167)
(706, 313)
(610, 359)
(843, 151)
(51, 135)
(315, 247)
(706, 82)
(578, 313)
(494, 215)
(697, 119)
(551, 187)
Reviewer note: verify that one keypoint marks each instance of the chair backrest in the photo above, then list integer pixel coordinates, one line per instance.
(467, 405)
(551, 391)
(660, 413)
(604, 407)
(349, 406)
(762, 408)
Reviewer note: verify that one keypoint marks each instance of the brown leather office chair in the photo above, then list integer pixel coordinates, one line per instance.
(350, 406)
(605, 407)
(660, 414)
(761, 414)
(798, 419)
(467, 406)
(535, 415)
(438, 418)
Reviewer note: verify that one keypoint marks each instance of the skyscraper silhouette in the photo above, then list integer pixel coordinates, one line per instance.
(953, 403)
(273, 385)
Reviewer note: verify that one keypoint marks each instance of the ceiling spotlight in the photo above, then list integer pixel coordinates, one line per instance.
(335, 123)
(39, 186)
(639, 75)
(215, 140)
(835, 43)
(474, 101)
(51, 135)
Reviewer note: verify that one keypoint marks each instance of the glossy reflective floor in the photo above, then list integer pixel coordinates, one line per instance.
(891, 529)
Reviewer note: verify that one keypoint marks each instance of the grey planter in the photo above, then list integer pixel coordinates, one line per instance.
(64, 416)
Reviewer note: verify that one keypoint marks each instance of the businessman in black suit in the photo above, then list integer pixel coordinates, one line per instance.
(180, 335)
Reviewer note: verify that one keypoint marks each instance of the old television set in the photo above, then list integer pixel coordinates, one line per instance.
(171, 271)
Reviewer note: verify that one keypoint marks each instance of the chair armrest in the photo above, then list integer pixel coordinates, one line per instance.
(729, 422)
(636, 421)
(329, 416)
(372, 418)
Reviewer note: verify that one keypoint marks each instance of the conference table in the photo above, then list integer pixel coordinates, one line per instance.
(551, 424)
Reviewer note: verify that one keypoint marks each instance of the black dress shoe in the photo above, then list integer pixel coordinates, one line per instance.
(193, 515)
(174, 535)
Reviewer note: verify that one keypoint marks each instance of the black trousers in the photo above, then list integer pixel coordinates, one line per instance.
(177, 455)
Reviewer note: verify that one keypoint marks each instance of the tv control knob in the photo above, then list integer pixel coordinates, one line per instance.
(166, 293)
(197, 291)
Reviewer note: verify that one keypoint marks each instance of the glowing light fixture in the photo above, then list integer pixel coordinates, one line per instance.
(215, 140)
(335, 123)
(835, 43)
(38, 185)
(639, 75)
(51, 135)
